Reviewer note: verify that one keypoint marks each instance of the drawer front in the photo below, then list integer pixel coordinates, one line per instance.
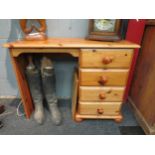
(101, 94)
(106, 58)
(101, 77)
(98, 108)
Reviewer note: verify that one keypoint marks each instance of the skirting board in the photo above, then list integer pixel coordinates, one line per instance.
(17, 97)
(149, 130)
(9, 97)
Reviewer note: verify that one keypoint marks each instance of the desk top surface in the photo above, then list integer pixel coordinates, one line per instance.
(70, 43)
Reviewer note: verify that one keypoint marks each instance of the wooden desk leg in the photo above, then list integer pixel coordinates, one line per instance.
(74, 96)
(23, 86)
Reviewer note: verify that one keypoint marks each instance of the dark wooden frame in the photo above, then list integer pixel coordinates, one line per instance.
(106, 36)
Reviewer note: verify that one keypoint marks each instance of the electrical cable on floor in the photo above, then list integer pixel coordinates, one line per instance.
(18, 113)
(20, 103)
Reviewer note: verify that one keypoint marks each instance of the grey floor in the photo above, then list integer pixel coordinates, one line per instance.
(15, 125)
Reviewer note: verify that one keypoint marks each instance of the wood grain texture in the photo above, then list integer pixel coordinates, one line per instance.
(141, 119)
(74, 95)
(143, 90)
(94, 58)
(70, 43)
(150, 22)
(18, 51)
(101, 94)
(18, 66)
(115, 117)
(91, 77)
(88, 77)
(92, 108)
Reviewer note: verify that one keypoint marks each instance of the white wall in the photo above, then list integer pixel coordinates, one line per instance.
(10, 31)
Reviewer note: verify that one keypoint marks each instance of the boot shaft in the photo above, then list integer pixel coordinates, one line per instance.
(48, 80)
(34, 81)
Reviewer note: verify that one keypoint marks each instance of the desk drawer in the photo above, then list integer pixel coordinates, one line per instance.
(100, 94)
(101, 77)
(99, 108)
(105, 58)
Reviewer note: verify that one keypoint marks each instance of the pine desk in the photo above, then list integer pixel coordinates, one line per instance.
(100, 82)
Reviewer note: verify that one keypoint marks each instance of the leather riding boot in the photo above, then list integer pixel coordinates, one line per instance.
(49, 88)
(34, 81)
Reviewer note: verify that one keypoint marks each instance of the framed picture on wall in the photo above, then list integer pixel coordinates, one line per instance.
(106, 29)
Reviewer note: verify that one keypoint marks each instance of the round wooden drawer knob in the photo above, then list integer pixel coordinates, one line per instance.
(100, 111)
(107, 60)
(102, 96)
(103, 80)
